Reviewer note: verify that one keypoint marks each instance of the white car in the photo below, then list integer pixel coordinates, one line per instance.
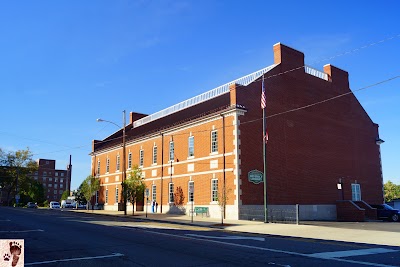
(54, 205)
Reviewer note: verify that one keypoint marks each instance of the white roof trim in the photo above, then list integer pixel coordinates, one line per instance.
(220, 90)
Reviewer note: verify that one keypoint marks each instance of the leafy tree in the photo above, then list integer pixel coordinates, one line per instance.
(79, 197)
(179, 197)
(89, 186)
(392, 191)
(36, 192)
(15, 171)
(65, 195)
(134, 187)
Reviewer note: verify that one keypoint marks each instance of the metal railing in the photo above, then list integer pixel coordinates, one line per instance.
(220, 90)
(276, 214)
(316, 73)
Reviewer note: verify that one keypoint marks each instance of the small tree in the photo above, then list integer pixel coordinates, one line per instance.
(179, 197)
(89, 186)
(134, 187)
(222, 199)
(65, 195)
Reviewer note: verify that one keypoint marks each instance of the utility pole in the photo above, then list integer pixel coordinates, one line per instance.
(124, 163)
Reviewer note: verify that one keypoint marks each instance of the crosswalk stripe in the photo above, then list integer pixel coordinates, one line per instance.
(351, 253)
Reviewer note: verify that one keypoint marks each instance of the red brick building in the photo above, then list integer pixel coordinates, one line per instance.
(214, 140)
(55, 181)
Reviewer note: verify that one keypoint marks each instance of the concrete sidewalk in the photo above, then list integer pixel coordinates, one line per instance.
(379, 233)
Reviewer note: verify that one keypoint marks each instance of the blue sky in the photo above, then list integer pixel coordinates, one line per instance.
(64, 64)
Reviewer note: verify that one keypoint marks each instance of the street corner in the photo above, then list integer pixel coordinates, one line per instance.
(12, 252)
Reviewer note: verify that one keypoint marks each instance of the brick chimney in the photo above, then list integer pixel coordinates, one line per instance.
(232, 92)
(338, 77)
(134, 116)
(288, 57)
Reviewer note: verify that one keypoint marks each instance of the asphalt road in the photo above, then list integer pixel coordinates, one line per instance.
(62, 238)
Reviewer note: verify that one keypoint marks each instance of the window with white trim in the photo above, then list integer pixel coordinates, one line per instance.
(214, 141)
(154, 192)
(171, 150)
(141, 156)
(116, 195)
(97, 197)
(214, 190)
(106, 195)
(191, 146)
(355, 192)
(129, 160)
(171, 193)
(98, 167)
(107, 165)
(154, 154)
(118, 163)
(191, 191)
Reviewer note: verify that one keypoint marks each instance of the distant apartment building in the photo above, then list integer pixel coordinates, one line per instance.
(54, 181)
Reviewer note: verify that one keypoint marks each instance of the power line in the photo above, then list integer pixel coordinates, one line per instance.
(259, 79)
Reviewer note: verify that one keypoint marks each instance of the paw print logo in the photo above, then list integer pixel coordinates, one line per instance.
(15, 250)
(6, 257)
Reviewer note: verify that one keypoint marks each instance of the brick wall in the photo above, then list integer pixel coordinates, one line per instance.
(347, 211)
(201, 168)
(308, 150)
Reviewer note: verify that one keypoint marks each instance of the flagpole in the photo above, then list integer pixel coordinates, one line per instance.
(264, 155)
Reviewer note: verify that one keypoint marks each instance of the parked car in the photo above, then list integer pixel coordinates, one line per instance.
(69, 204)
(81, 207)
(54, 205)
(31, 205)
(386, 212)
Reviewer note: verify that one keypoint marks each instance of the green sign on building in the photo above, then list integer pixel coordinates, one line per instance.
(255, 176)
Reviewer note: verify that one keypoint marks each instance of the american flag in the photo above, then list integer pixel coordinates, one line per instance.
(263, 97)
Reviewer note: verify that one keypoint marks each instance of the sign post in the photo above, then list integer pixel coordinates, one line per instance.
(147, 193)
(191, 191)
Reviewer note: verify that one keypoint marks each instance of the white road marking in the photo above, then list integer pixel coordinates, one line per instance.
(76, 259)
(229, 237)
(271, 250)
(273, 263)
(23, 231)
(350, 253)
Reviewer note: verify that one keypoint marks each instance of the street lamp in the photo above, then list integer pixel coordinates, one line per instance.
(379, 141)
(123, 197)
